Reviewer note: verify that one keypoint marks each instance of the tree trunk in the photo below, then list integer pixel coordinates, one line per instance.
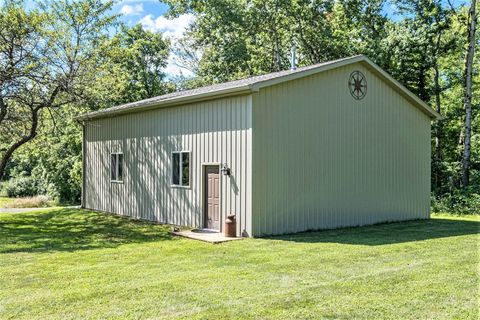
(422, 76)
(467, 99)
(3, 110)
(438, 131)
(31, 134)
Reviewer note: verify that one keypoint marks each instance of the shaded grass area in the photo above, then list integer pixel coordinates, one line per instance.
(71, 263)
(439, 227)
(73, 229)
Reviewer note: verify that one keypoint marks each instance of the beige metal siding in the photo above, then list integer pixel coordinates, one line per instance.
(323, 160)
(217, 131)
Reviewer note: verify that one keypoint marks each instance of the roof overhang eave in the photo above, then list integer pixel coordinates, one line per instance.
(240, 90)
(249, 88)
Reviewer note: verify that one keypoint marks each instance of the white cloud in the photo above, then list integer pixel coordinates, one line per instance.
(134, 9)
(172, 29)
(174, 69)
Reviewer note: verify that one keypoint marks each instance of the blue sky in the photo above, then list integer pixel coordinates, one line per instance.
(140, 8)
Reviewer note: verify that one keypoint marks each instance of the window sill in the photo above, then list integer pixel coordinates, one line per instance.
(176, 186)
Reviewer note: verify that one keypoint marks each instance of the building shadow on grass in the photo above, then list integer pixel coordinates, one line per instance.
(73, 229)
(388, 233)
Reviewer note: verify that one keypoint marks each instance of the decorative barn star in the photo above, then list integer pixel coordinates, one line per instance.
(358, 85)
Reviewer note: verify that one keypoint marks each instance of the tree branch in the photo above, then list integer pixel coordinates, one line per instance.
(26, 138)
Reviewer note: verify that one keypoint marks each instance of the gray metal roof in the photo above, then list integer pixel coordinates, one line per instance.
(251, 84)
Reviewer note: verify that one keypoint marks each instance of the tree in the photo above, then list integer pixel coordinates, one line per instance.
(141, 56)
(243, 38)
(362, 28)
(45, 66)
(418, 42)
(467, 99)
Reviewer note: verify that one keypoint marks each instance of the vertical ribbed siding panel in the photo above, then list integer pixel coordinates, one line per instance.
(217, 131)
(322, 159)
(247, 229)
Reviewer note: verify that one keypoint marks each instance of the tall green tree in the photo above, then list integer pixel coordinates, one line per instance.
(111, 64)
(467, 97)
(419, 41)
(45, 66)
(141, 56)
(248, 37)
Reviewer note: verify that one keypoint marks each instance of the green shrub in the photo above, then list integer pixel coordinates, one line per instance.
(457, 203)
(21, 187)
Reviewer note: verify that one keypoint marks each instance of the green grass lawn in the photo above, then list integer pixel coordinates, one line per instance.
(75, 264)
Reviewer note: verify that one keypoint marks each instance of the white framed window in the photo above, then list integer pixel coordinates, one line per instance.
(181, 168)
(116, 167)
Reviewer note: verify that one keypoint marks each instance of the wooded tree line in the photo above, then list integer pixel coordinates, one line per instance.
(87, 60)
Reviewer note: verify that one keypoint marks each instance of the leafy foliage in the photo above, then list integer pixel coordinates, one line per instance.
(459, 202)
(22, 187)
(242, 38)
(108, 70)
(54, 160)
(45, 66)
(141, 56)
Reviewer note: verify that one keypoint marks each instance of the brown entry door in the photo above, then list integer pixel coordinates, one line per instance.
(212, 198)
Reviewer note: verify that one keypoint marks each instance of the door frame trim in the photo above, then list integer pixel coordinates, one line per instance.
(203, 194)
